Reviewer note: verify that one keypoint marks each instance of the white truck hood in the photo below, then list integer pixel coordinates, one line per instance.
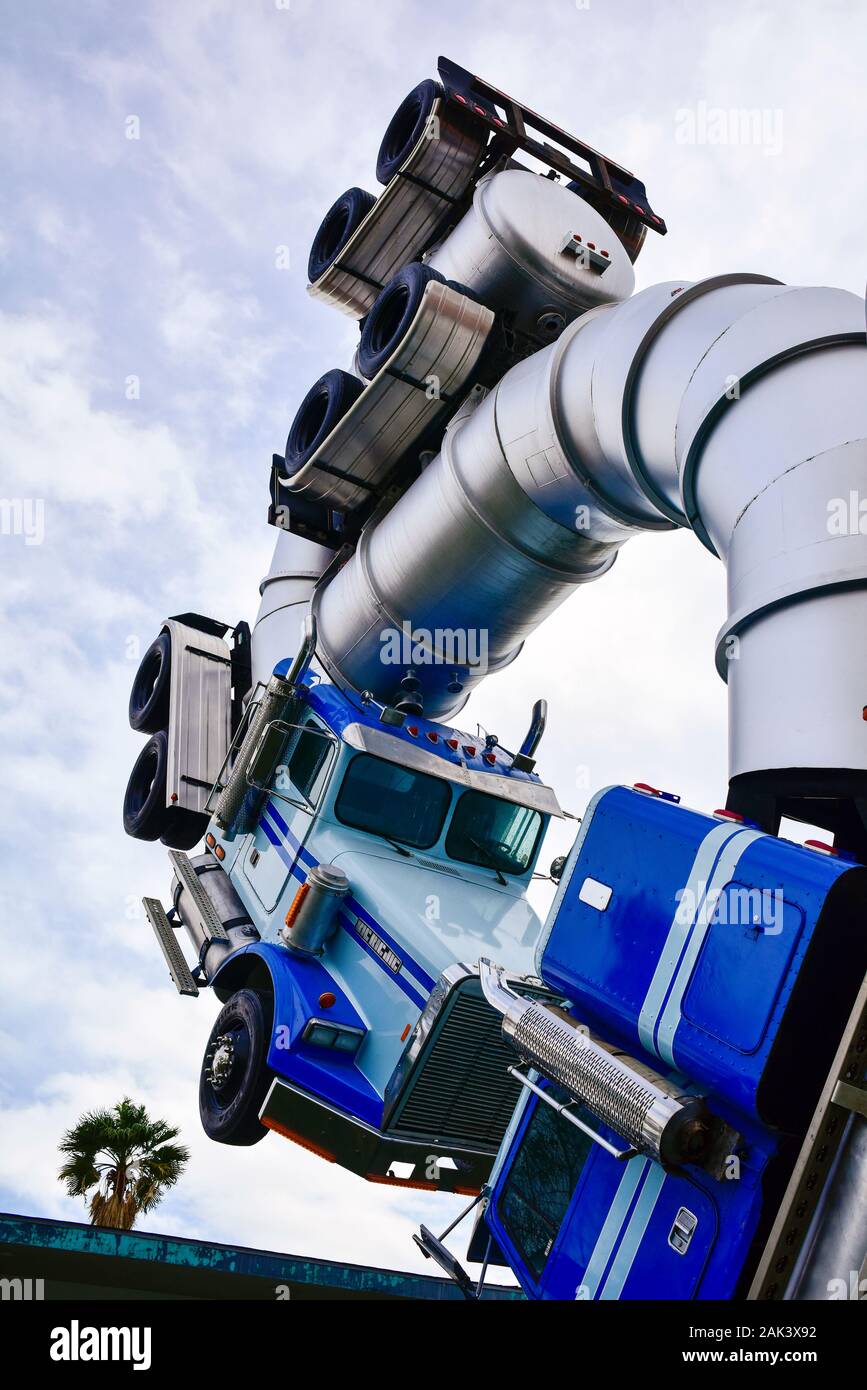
(438, 917)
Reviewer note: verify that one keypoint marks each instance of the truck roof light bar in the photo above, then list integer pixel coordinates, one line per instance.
(594, 171)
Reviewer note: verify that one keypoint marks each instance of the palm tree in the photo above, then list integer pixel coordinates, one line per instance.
(129, 1158)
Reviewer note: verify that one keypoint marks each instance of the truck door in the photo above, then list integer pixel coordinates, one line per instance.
(633, 1231)
(575, 1223)
(275, 849)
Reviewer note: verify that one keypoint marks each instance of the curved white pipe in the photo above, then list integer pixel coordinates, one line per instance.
(286, 590)
(734, 406)
(738, 407)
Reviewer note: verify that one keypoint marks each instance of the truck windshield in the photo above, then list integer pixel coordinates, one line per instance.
(393, 801)
(540, 1182)
(493, 833)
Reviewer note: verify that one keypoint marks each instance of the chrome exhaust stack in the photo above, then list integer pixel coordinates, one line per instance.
(524, 759)
(231, 814)
(653, 1116)
(238, 806)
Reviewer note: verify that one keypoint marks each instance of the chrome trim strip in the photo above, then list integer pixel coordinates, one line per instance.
(534, 795)
(632, 1237)
(678, 933)
(612, 1226)
(724, 872)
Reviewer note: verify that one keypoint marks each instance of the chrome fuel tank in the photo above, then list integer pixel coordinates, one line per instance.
(454, 578)
(534, 248)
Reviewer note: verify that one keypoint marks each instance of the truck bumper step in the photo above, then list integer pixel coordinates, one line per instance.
(179, 971)
(186, 874)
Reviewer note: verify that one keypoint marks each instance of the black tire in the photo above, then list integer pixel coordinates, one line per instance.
(149, 697)
(339, 223)
(229, 1109)
(324, 405)
(464, 290)
(184, 828)
(393, 311)
(405, 127)
(145, 815)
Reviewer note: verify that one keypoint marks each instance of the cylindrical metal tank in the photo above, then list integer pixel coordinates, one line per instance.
(533, 248)
(460, 571)
(834, 1261)
(735, 406)
(230, 911)
(312, 918)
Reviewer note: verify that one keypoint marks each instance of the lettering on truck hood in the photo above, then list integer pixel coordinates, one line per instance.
(434, 919)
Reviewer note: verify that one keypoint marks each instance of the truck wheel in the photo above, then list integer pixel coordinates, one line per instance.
(393, 311)
(144, 805)
(324, 405)
(235, 1076)
(405, 127)
(149, 697)
(337, 226)
(184, 828)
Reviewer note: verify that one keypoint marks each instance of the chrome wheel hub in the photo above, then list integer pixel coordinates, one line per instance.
(222, 1060)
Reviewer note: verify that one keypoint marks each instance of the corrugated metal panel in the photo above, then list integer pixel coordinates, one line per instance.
(199, 724)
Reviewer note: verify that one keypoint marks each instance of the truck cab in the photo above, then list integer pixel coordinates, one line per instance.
(371, 859)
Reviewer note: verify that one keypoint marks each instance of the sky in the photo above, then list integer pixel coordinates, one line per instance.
(158, 161)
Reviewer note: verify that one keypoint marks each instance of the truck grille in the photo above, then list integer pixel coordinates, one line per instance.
(460, 1090)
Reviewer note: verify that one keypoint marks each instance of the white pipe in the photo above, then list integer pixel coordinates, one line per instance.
(286, 591)
(734, 406)
(739, 409)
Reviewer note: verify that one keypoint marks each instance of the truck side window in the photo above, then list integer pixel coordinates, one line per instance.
(541, 1181)
(307, 760)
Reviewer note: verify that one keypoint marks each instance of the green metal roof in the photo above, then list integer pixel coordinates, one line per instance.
(80, 1261)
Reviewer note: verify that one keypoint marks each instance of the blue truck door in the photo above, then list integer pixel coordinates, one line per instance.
(633, 1231)
(576, 1223)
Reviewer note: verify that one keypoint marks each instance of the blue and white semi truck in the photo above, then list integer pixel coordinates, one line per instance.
(659, 1090)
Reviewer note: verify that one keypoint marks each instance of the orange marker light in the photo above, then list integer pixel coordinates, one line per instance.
(220, 852)
(295, 905)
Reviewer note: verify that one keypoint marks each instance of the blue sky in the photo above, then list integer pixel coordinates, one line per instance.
(155, 258)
